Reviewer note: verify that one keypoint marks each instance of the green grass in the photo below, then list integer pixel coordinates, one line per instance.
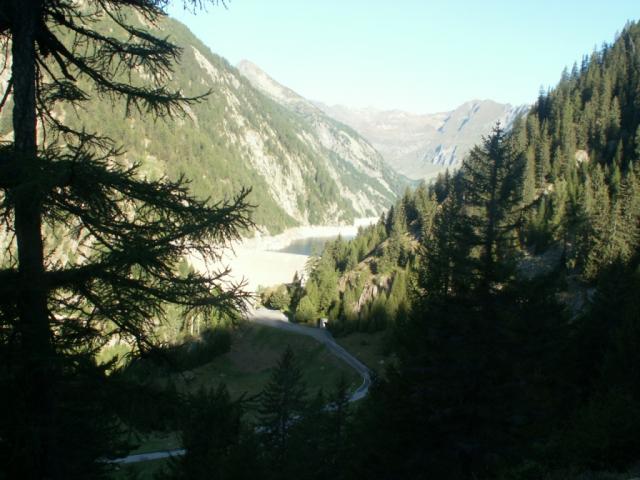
(107, 354)
(255, 350)
(246, 368)
(370, 348)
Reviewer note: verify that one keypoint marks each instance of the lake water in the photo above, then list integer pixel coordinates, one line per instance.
(310, 245)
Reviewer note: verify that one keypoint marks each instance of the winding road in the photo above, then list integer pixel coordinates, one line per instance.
(276, 319)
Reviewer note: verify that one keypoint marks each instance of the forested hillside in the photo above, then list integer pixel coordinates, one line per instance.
(509, 286)
(238, 137)
(582, 145)
(576, 202)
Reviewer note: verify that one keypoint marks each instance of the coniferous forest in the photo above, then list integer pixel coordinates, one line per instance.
(505, 289)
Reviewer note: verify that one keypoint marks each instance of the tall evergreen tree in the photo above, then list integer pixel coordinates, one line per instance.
(132, 233)
(283, 402)
(596, 236)
(492, 178)
(543, 157)
(217, 443)
(447, 269)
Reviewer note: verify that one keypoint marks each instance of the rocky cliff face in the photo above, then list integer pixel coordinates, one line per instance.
(419, 145)
(303, 170)
(349, 150)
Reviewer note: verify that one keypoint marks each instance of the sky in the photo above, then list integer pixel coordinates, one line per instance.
(420, 56)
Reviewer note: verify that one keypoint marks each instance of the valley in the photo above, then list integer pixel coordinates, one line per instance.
(418, 146)
(206, 272)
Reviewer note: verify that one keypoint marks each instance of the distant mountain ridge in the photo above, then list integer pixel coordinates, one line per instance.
(416, 145)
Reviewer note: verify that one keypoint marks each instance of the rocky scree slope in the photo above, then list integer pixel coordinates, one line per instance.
(346, 146)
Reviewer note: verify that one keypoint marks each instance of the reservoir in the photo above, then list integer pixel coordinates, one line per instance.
(310, 245)
(270, 260)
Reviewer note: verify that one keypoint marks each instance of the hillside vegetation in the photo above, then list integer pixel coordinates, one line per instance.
(576, 201)
(236, 136)
(509, 287)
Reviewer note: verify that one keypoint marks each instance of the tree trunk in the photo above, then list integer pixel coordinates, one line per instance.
(491, 209)
(35, 377)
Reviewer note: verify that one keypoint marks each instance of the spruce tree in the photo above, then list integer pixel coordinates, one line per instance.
(529, 187)
(217, 443)
(543, 158)
(446, 267)
(282, 403)
(492, 179)
(132, 232)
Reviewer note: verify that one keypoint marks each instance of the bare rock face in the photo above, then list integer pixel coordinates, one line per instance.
(373, 287)
(419, 145)
(348, 150)
(581, 156)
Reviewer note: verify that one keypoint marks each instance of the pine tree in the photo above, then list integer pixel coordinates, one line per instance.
(282, 403)
(567, 135)
(132, 233)
(427, 207)
(597, 236)
(492, 178)
(629, 211)
(447, 270)
(530, 178)
(575, 222)
(217, 443)
(543, 158)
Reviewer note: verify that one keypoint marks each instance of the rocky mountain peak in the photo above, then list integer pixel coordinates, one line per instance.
(420, 145)
(265, 83)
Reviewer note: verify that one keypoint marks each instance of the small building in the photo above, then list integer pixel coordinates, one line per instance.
(322, 322)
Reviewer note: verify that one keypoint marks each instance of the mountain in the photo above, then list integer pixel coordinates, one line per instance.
(417, 145)
(345, 143)
(540, 329)
(301, 171)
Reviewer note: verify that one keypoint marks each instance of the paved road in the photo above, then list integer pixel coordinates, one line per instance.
(276, 319)
(145, 457)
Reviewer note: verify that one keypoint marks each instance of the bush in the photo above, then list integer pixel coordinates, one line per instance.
(277, 298)
(306, 311)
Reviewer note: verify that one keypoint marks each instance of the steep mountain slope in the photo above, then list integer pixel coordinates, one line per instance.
(579, 188)
(347, 145)
(238, 137)
(416, 145)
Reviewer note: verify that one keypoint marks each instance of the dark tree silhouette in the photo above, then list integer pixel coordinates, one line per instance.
(282, 404)
(131, 232)
(492, 181)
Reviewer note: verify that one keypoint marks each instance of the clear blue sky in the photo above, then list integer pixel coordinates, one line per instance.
(416, 55)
